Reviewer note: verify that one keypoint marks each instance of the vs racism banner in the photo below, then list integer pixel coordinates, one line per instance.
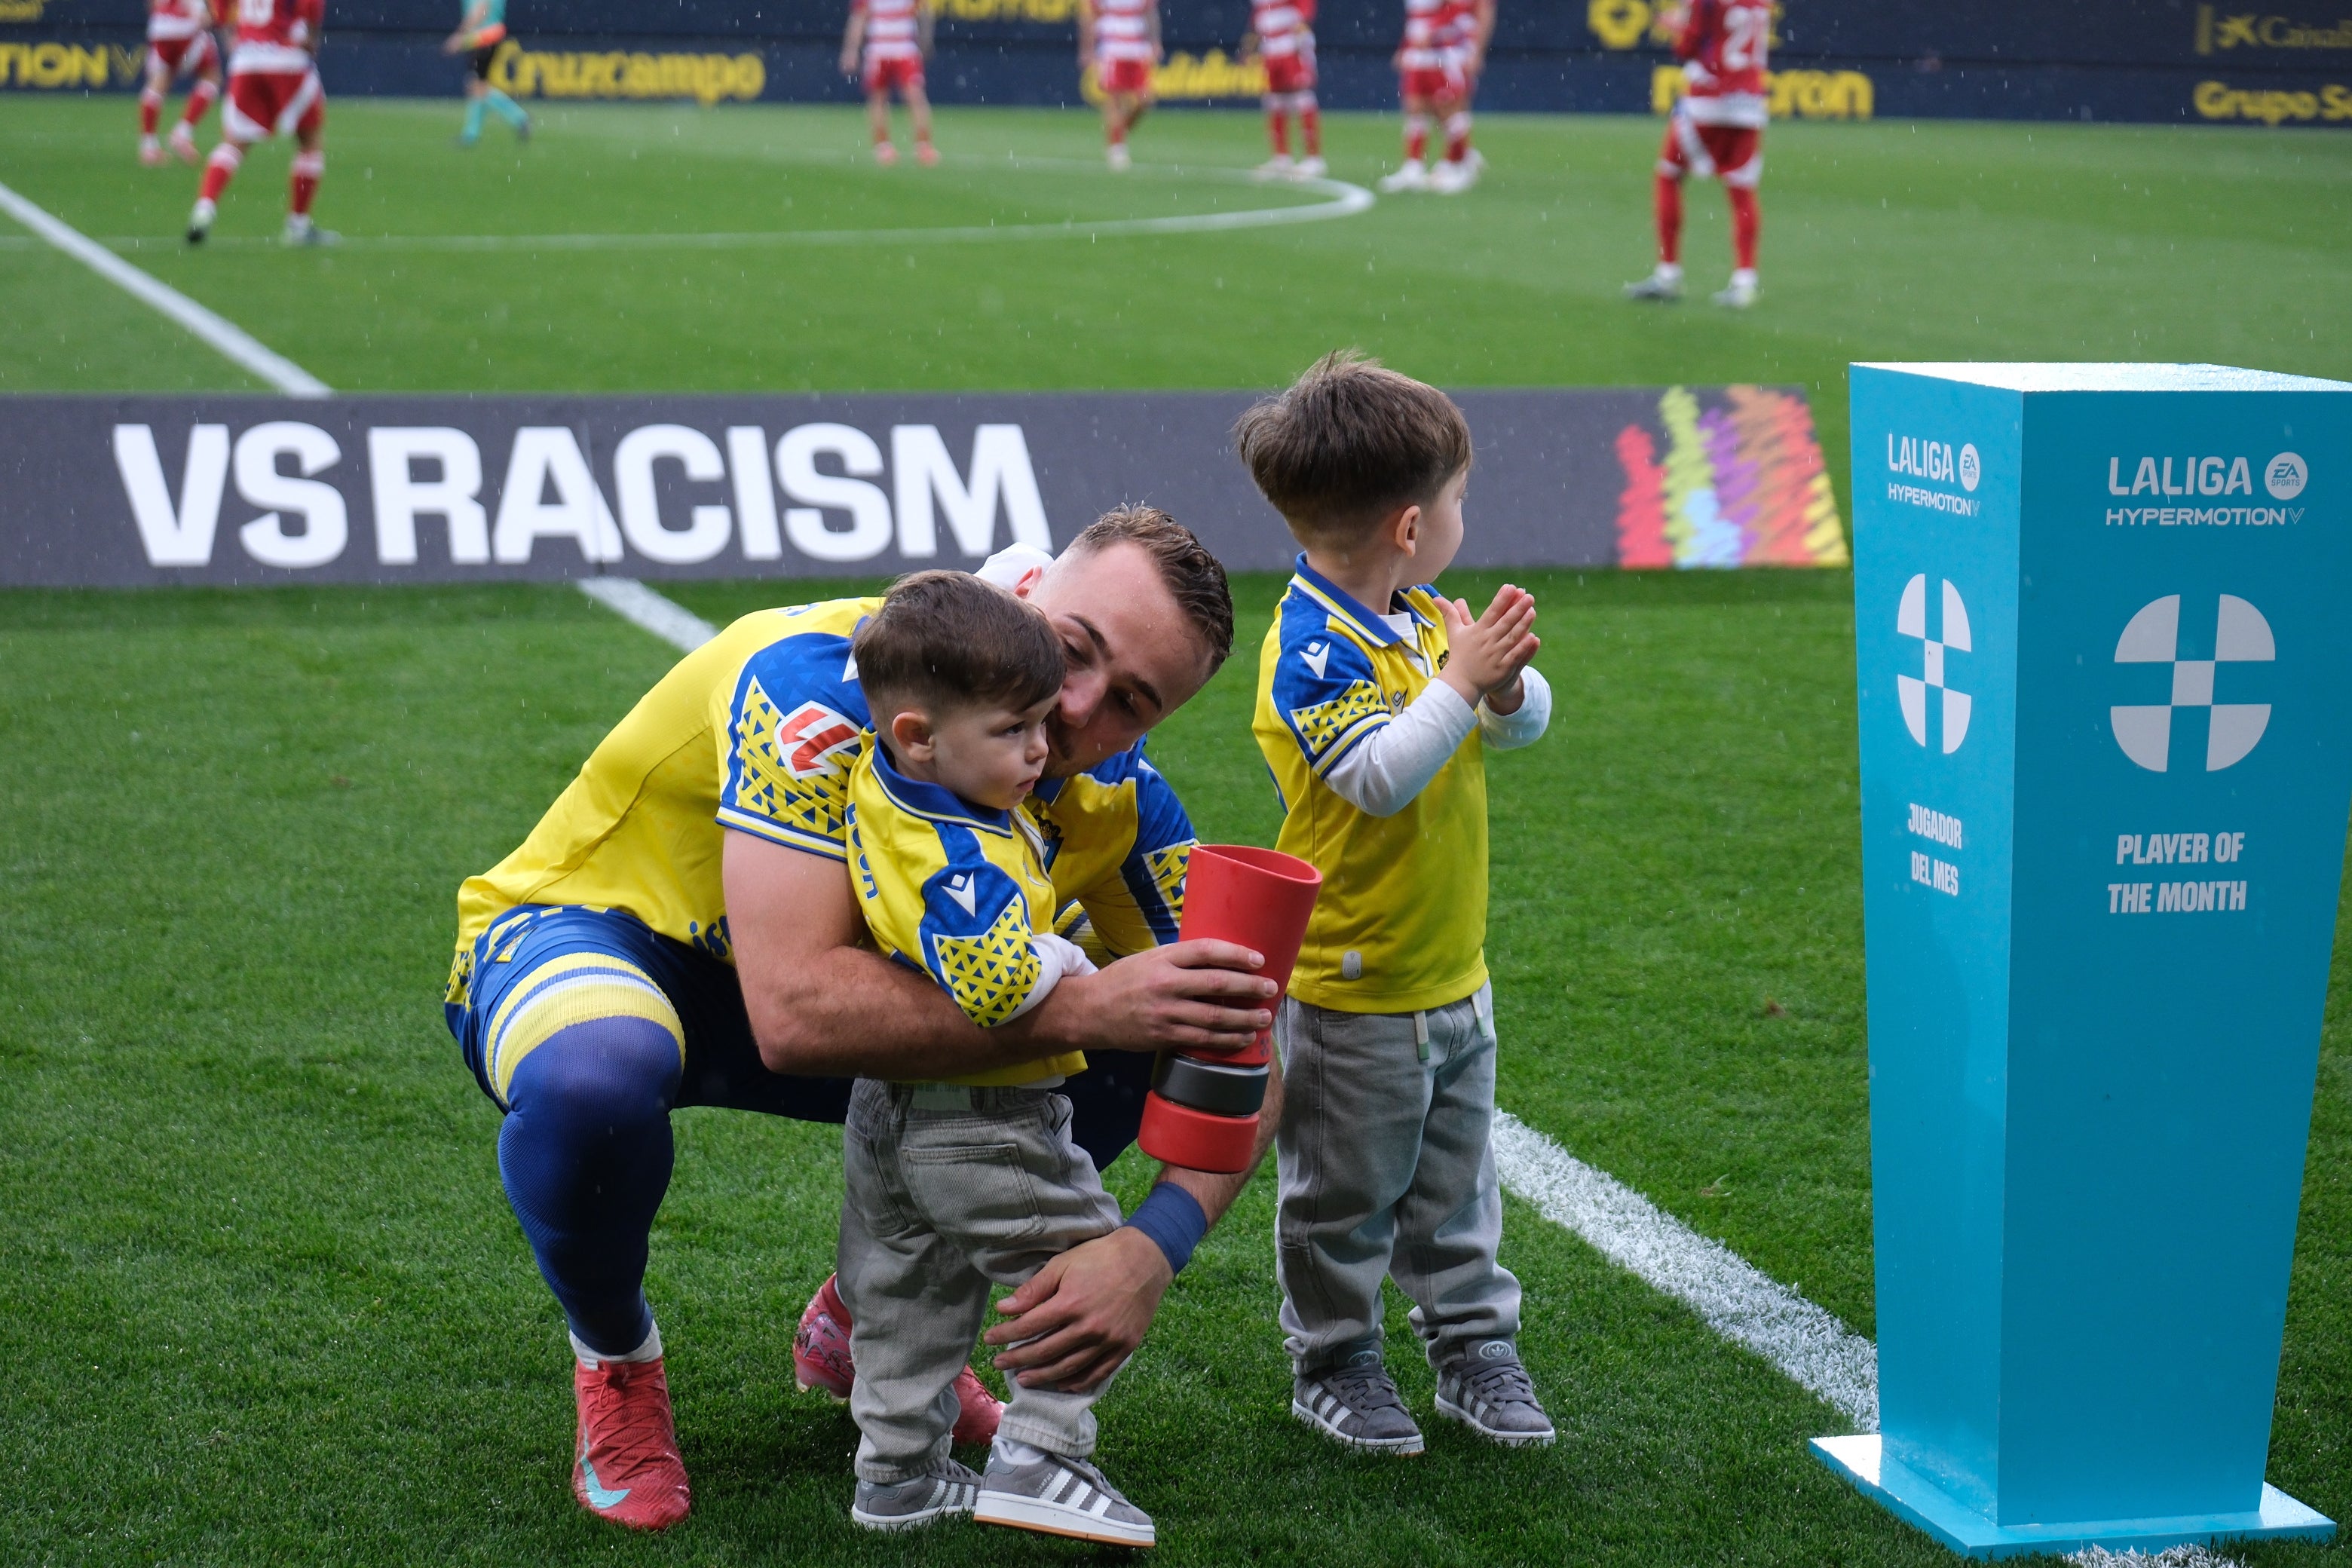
(141, 491)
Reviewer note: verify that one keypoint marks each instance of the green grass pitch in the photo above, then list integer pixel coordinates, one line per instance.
(260, 1297)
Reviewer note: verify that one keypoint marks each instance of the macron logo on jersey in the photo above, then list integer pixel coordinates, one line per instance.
(1317, 656)
(960, 890)
(810, 740)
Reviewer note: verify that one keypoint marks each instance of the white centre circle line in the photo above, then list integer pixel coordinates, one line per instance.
(1339, 199)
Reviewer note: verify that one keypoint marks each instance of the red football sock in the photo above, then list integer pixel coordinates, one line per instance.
(1416, 137)
(1669, 203)
(1457, 136)
(302, 185)
(1746, 220)
(1310, 128)
(219, 169)
(200, 102)
(1115, 131)
(1277, 131)
(151, 109)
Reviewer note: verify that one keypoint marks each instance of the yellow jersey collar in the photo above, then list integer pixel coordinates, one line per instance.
(934, 802)
(1372, 628)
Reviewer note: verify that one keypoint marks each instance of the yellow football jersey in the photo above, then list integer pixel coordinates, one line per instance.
(957, 891)
(756, 731)
(1401, 923)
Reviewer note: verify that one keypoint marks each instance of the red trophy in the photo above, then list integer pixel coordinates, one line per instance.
(1201, 1112)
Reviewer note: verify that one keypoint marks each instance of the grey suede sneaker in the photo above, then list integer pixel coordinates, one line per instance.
(1355, 1403)
(947, 1488)
(1487, 1390)
(1061, 1496)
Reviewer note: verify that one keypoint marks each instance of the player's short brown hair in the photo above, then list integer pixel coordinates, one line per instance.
(1347, 444)
(1194, 578)
(945, 641)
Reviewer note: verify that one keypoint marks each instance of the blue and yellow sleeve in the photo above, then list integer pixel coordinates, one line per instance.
(793, 726)
(1325, 690)
(975, 937)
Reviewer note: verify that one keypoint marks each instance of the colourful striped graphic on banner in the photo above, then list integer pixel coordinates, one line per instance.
(1742, 483)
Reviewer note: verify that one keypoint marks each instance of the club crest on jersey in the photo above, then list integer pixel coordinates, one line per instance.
(812, 737)
(1317, 656)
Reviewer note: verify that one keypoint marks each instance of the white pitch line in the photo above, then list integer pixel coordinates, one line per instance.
(230, 339)
(640, 606)
(1732, 1296)
(1345, 201)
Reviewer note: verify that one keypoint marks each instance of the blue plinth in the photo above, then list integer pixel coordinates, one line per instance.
(2104, 671)
(1917, 1501)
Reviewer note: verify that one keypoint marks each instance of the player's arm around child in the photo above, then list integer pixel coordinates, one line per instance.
(1377, 699)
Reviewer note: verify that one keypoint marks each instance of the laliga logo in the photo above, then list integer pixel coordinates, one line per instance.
(2284, 477)
(2240, 636)
(1934, 460)
(1911, 621)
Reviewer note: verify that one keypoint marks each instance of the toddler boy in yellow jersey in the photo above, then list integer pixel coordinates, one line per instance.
(953, 1184)
(1376, 695)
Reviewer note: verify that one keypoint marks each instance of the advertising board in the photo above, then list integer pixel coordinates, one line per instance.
(2183, 61)
(106, 491)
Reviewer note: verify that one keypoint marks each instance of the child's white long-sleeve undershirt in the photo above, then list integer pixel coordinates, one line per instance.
(1383, 772)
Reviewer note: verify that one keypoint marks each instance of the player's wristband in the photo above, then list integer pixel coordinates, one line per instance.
(1174, 1221)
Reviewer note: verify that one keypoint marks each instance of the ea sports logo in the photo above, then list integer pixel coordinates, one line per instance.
(2240, 636)
(1971, 467)
(2284, 476)
(1912, 690)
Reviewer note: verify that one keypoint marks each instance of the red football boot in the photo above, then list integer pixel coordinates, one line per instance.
(977, 1411)
(628, 1468)
(820, 1346)
(821, 1361)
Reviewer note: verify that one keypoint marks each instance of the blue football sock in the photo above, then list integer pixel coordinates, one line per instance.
(585, 1155)
(473, 120)
(506, 108)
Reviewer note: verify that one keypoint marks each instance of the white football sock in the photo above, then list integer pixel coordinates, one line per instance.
(649, 1350)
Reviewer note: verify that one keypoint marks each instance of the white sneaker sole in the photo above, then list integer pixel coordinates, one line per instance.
(1052, 1518)
(1453, 1412)
(905, 1520)
(1400, 1446)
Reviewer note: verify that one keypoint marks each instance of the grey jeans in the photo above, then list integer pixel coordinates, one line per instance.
(947, 1190)
(1387, 1167)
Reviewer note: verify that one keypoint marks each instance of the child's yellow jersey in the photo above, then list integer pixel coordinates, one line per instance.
(1401, 923)
(756, 731)
(958, 892)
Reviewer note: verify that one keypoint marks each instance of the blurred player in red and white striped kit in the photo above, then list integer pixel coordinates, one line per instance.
(890, 40)
(1121, 39)
(1282, 36)
(273, 86)
(179, 43)
(1464, 32)
(1444, 48)
(1426, 81)
(1717, 130)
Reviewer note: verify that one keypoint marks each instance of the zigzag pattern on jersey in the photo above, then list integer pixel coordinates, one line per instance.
(992, 973)
(1325, 725)
(1166, 867)
(817, 806)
